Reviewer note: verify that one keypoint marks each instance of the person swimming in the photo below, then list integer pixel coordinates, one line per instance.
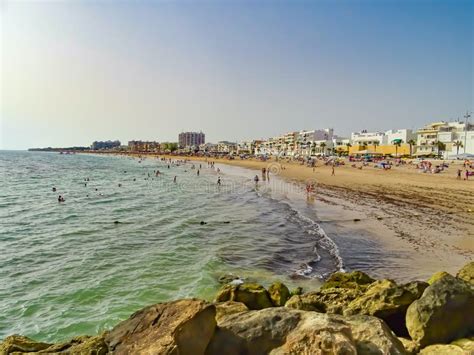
(54, 189)
(61, 199)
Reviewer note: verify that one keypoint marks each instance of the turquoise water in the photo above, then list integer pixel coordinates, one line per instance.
(68, 269)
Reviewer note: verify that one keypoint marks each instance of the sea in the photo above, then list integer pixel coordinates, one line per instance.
(126, 237)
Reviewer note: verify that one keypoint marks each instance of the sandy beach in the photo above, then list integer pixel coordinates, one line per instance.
(431, 214)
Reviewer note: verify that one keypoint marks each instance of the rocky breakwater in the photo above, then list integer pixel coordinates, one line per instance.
(351, 314)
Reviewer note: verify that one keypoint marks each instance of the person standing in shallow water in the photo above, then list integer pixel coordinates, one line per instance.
(219, 181)
(174, 179)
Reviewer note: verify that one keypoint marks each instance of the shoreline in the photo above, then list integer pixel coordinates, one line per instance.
(426, 217)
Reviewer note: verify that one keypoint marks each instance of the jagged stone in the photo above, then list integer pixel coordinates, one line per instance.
(21, 344)
(437, 276)
(354, 279)
(331, 300)
(280, 330)
(79, 345)
(279, 294)
(467, 273)
(444, 312)
(179, 327)
(386, 300)
(254, 296)
(230, 307)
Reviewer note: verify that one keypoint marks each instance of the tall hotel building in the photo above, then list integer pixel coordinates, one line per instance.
(189, 139)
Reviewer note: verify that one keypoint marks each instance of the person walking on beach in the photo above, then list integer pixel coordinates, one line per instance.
(459, 174)
(333, 172)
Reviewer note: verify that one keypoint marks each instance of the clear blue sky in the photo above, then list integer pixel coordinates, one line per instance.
(78, 71)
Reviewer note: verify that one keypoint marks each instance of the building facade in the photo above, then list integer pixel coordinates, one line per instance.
(143, 146)
(191, 139)
(445, 138)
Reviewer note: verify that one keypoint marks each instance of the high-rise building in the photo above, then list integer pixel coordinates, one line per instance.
(190, 139)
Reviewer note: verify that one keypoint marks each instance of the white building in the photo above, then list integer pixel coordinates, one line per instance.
(226, 147)
(454, 136)
(367, 138)
(401, 135)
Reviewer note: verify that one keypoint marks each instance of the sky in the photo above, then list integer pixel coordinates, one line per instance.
(77, 71)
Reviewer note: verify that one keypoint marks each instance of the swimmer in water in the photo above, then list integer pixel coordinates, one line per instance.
(54, 189)
(61, 199)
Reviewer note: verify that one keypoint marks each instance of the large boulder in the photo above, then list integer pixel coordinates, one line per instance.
(254, 296)
(467, 273)
(437, 276)
(460, 346)
(179, 327)
(79, 345)
(230, 307)
(281, 330)
(354, 279)
(331, 300)
(279, 294)
(410, 346)
(386, 300)
(444, 312)
(21, 344)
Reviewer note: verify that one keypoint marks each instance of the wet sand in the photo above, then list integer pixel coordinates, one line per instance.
(427, 220)
(418, 223)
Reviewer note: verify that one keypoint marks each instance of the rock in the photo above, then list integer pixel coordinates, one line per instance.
(444, 312)
(230, 307)
(410, 346)
(279, 294)
(460, 346)
(306, 302)
(179, 327)
(466, 344)
(373, 336)
(22, 344)
(228, 278)
(354, 279)
(443, 349)
(254, 296)
(226, 293)
(386, 300)
(332, 300)
(467, 273)
(280, 330)
(437, 276)
(296, 291)
(80, 345)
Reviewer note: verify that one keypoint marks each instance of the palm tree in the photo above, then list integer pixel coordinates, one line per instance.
(397, 143)
(441, 147)
(313, 147)
(323, 145)
(348, 145)
(458, 144)
(376, 144)
(411, 142)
